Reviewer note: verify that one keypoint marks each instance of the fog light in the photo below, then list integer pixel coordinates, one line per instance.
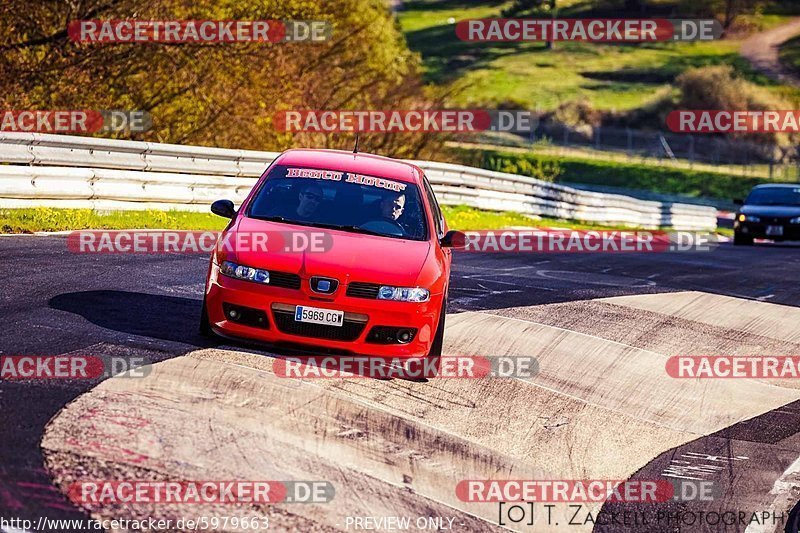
(390, 335)
(246, 316)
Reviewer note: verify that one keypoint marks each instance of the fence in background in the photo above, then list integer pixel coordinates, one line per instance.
(702, 152)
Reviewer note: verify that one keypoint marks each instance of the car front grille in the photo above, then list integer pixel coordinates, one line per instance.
(358, 289)
(284, 279)
(350, 330)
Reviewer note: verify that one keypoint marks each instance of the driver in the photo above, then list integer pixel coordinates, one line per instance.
(310, 198)
(308, 203)
(392, 205)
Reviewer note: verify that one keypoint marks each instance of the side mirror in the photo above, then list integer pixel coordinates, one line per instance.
(223, 208)
(452, 238)
(738, 201)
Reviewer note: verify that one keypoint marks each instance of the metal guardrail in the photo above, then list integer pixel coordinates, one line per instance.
(70, 171)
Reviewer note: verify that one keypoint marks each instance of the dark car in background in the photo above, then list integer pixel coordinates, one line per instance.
(769, 212)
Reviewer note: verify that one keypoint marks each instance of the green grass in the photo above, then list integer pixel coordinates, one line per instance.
(610, 77)
(660, 179)
(465, 218)
(46, 219)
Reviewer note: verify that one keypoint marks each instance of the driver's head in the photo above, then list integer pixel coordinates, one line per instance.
(310, 198)
(392, 205)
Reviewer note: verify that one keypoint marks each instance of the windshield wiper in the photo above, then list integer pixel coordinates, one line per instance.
(284, 220)
(352, 229)
(275, 218)
(346, 227)
(357, 229)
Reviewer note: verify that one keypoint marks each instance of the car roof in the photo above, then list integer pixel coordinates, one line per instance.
(777, 185)
(361, 163)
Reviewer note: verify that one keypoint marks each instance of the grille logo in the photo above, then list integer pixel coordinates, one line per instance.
(324, 285)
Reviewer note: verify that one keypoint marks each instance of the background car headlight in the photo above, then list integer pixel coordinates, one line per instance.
(795, 220)
(749, 218)
(404, 294)
(244, 272)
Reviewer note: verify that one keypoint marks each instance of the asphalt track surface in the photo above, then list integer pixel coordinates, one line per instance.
(581, 307)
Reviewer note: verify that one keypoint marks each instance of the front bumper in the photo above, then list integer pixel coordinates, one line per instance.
(758, 230)
(361, 315)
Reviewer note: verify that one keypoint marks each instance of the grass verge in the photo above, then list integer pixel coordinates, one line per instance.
(47, 219)
(611, 77)
(659, 179)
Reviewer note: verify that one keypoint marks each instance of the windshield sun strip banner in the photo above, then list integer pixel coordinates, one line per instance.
(349, 177)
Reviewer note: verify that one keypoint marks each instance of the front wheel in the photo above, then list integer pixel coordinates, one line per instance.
(205, 325)
(740, 239)
(433, 364)
(438, 338)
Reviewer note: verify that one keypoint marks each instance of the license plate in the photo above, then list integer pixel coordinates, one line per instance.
(315, 315)
(774, 230)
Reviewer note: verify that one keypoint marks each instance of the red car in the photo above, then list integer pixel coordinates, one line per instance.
(377, 287)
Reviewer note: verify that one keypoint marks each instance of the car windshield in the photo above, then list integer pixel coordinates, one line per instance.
(341, 200)
(774, 196)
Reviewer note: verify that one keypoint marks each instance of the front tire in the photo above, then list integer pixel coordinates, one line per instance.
(438, 338)
(740, 239)
(205, 324)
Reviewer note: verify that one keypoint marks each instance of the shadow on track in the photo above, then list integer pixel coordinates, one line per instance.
(26, 489)
(734, 459)
(169, 318)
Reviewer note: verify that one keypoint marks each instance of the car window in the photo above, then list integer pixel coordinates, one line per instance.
(438, 218)
(774, 196)
(343, 200)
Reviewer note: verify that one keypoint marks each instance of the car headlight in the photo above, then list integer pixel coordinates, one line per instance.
(749, 218)
(795, 220)
(244, 272)
(404, 294)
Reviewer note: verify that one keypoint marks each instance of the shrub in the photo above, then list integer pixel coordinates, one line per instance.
(545, 170)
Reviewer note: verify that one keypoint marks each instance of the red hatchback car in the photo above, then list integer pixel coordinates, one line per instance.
(377, 287)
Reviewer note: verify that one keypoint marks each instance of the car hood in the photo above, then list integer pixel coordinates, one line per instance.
(346, 256)
(771, 210)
